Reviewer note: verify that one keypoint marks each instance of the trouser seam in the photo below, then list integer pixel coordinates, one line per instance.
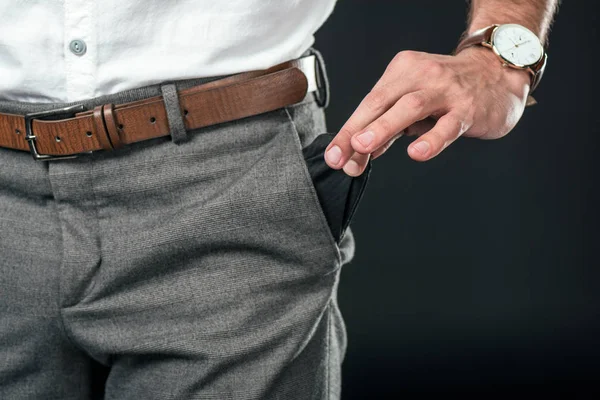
(315, 207)
(60, 288)
(97, 228)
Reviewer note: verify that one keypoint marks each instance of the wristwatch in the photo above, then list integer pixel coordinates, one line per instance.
(516, 46)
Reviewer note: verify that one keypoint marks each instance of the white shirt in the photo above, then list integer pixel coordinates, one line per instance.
(134, 43)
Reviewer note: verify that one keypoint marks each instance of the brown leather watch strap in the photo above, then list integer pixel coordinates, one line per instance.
(538, 71)
(479, 37)
(111, 126)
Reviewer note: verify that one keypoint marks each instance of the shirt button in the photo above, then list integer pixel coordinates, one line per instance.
(78, 47)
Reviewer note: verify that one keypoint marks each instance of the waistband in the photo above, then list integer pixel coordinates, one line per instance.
(67, 130)
(22, 108)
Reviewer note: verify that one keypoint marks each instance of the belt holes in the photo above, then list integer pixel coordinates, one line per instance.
(89, 134)
(120, 126)
(17, 131)
(152, 120)
(57, 139)
(185, 112)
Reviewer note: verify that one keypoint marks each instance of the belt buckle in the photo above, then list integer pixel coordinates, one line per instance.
(30, 137)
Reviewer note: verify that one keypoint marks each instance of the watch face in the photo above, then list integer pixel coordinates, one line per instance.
(517, 45)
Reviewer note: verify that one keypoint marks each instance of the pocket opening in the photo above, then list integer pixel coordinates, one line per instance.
(308, 181)
(338, 193)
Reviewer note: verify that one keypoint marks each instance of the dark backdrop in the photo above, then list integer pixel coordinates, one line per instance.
(478, 270)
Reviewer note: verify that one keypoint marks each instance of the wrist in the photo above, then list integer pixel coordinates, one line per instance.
(517, 81)
(533, 15)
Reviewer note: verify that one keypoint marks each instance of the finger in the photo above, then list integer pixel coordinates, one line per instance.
(448, 128)
(416, 129)
(356, 164)
(409, 109)
(377, 102)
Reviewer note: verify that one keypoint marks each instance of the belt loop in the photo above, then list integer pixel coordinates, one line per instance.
(100, 127)
(323, 92)
(110, 122)
(174, 115)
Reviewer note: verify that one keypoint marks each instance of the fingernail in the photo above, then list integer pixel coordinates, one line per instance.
(366, 138)
(421, 147)
(334, 155)
(352, 168)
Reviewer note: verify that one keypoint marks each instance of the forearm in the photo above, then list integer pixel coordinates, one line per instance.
(537, 15)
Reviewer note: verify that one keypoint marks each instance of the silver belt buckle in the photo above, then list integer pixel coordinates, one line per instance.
(30, 137)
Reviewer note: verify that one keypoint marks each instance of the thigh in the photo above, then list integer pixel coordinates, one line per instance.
(218, 271)
(37, 360)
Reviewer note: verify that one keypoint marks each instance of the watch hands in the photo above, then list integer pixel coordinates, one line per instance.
(508, 49)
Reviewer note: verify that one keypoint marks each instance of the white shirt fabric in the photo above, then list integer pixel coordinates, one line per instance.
(134, 43)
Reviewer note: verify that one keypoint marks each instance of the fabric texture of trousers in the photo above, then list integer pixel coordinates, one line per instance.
(200, 270)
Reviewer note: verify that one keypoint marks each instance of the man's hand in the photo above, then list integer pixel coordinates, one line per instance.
(439, 96)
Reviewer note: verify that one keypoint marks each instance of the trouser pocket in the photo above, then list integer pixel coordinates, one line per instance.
(339, 194)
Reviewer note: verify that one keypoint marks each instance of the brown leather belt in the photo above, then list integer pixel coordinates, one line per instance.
(111, 126)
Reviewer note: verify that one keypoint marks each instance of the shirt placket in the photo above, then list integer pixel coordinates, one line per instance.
(79, 49)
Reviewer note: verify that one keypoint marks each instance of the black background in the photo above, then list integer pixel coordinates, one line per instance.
(477, 271)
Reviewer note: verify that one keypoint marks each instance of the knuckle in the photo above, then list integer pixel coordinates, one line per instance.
(396, 60)
(432, 68)
(435, 136)
(376, 100)
(385, 126)
(416, 102)
(403, 56)
(345, 133)
(453, 120)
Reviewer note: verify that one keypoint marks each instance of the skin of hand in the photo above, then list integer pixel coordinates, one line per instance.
(438, 98)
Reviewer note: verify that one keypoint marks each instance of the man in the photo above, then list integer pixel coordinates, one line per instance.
(193, 245)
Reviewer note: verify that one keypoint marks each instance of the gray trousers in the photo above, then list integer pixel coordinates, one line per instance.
(198, 270)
